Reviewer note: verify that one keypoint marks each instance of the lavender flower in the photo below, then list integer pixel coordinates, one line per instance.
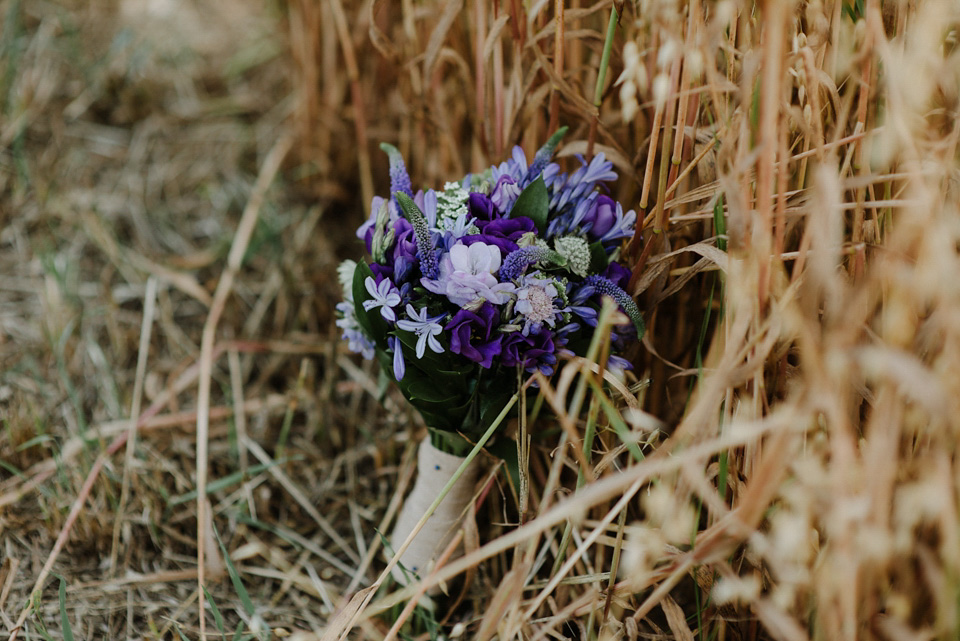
(543, 156)
(426, 329)
(399, 179)
(385, 296)
(626, 303)
(428, 260)
(519, 260)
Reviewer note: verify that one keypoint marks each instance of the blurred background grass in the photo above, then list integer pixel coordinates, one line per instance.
(796, 397)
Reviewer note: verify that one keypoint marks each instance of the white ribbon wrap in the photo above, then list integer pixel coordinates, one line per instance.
(434, 470)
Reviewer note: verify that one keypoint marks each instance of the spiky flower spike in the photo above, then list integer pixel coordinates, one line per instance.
(626, 303)
(543, 156)
(428, 258)
(399, 178)
(518, 260)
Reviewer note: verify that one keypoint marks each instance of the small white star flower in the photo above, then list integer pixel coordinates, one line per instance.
(385, 296)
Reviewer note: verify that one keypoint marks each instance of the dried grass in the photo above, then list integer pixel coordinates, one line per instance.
(782, 465)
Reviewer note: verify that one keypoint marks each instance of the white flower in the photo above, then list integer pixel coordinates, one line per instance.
(385, 296)
(427, 329)
(466, 275)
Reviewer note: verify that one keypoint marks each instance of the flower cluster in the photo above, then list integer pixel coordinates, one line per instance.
(502, 270)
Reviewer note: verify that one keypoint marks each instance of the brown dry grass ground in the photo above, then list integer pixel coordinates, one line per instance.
(178, 181)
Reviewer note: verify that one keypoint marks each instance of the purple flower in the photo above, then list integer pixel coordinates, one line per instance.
(405, 241)
(601, 216)
(466, 274)
(502, 232)
(480, 206)
(399, 179)
(532, 352)
(505, 193)
(357, 341)
(517, 261)
(578, 298)
(473, 336)
(618, 275)
(385, 296)
(399, 365)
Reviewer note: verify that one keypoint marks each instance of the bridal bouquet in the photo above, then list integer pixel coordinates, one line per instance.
(499, 272)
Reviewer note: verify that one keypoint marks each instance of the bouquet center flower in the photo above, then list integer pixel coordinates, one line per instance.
(467, 274)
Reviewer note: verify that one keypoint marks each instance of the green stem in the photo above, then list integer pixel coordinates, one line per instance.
(605, 58)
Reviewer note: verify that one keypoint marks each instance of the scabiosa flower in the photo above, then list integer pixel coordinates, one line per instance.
(536, 298)
(427, 329)
(385, 296)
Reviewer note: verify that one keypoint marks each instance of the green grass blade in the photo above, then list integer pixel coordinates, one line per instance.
(64, 619)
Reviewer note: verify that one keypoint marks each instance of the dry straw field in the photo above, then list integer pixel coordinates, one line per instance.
(183, 431)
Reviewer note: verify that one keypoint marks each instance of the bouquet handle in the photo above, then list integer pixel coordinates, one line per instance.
(435, 469)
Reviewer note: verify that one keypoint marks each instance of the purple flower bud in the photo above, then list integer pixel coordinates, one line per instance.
(399, 179)
(602, 216)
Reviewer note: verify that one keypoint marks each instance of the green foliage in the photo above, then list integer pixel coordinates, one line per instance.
(534, 203)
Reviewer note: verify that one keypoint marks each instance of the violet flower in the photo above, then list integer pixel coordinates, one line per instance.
(502, 232)
(473, 336)
(532, 352)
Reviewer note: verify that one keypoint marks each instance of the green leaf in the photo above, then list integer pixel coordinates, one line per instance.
(217, 617)
(64, 619)
(598, 258)
(497, 394)
(534, 203)
(372, 323)
(430, 391)
(235, 577)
